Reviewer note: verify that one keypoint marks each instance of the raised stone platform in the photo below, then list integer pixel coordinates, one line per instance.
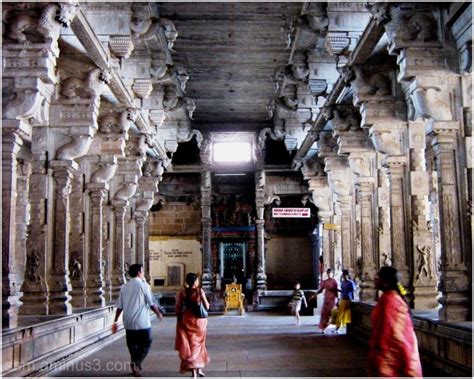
(443, 346)
(279, 300)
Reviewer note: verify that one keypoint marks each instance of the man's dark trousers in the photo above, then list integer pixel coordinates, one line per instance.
(138, 343)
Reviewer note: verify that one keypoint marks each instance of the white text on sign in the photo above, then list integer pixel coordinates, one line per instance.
(291, 212)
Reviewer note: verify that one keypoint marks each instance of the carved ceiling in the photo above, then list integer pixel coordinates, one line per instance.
(230, 51)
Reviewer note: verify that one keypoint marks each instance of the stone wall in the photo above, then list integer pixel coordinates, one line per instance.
(176, 219)
(182, 253)
(288, 260)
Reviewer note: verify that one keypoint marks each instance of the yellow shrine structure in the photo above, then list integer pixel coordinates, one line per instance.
(234, 298)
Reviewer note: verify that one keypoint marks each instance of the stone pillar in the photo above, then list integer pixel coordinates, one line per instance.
(206, 230)
(77, 253)
(147, 188)
(327, 240)
(140, 220)
(95, 276)
(147, 250)
(424, 269)
(454, 277)
(260, 181)
(118, 256)
(34, 287)
(11, 144)
(22, 218)
(58, 280)
(363, 166)
(340, 182)
(261, 269)
(383, 228)
(399, 215)
(315, 252)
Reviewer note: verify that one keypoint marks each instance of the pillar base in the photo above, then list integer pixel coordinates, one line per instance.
(206, 281)
(367, 292)
(9, 312)
(425, 296)
(78, 294)
(94, 293)
(35, 299)
(59, 295)
(261, 281)
(456, 307)
(118, 280)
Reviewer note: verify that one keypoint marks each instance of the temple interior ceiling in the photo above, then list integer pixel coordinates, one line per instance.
(230, 51)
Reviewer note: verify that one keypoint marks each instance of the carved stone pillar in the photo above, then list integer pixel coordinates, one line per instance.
(383, 229)
(140, 220)
(147, 250)
(118, 256)
(260, 182)
(77, 253)
(58, 280)
(22, 217)
(399, 215)
(147, 188)
(454, 277)
(424, 269)
(261, 269)
(11, 144)
(321, 194)
(206, 230)
(363, 167)
(95, 276)
(35, 287)
(340, 182)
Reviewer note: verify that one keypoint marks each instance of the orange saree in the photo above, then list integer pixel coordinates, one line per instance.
(393, 344)
(190, 336)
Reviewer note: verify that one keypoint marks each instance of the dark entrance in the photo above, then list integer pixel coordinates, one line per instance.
(232, 261)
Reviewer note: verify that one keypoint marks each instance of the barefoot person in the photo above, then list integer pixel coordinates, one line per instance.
(135, 301)
(297, 299)
(191, 330)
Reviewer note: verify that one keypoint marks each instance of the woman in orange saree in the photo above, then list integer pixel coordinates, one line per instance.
(191, 331)
(393, 344)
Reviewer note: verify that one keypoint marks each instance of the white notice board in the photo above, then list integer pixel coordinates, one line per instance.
(291, 212)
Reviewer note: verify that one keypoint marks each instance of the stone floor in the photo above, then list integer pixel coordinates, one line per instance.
(257, 344)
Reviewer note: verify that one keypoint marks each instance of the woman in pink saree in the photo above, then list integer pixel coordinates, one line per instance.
(330, 295)
(393, 344)
(191, 331)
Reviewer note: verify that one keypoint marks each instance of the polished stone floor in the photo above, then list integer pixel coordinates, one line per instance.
(254, 345)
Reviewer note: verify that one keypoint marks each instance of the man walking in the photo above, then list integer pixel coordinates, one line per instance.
(135, 301)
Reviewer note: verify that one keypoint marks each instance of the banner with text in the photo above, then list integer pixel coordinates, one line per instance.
(291, 212)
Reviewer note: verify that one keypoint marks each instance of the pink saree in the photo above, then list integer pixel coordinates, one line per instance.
(330, 294)
(190, 336)
(393, 344)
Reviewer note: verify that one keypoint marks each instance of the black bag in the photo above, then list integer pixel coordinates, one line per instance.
(197, 308)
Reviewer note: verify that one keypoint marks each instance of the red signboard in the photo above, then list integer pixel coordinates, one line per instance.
(291, 212)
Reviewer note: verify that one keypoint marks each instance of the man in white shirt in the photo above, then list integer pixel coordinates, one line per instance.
(135, 301)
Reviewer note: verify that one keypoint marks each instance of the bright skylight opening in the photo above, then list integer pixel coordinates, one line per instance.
(232, 152)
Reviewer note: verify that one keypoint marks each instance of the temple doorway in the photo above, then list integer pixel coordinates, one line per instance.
(232, 261)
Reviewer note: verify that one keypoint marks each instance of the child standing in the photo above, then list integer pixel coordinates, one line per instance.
(296, 300)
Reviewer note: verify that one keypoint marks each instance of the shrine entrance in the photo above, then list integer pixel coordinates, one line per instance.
(232, 261)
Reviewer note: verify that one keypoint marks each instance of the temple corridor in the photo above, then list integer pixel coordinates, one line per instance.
(254, 144)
